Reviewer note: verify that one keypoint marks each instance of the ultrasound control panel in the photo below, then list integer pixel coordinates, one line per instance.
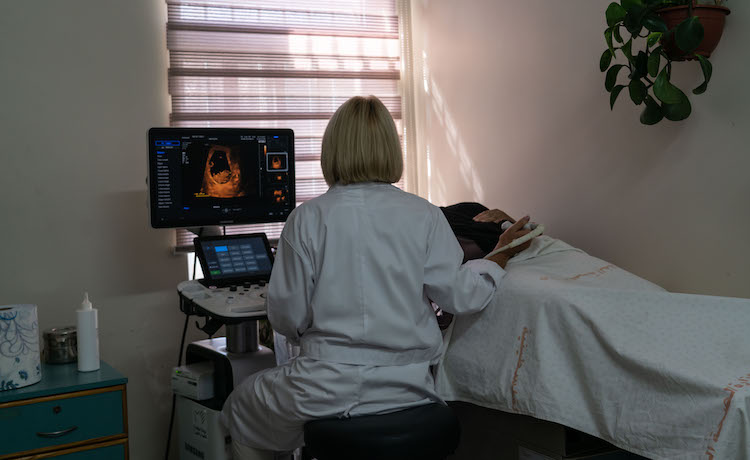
(245, 258)
(245, 301)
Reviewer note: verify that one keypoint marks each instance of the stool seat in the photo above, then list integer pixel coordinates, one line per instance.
(428, 432)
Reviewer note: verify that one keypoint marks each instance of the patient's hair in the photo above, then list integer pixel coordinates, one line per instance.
(361, 144)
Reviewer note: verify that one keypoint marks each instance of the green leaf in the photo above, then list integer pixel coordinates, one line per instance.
(616, 34)
(653, 38)
(608, 39)
(613, 97)
(678, 111)
(641, 65)
(634, 20)
(630, 4)
(627, 50)
(654, 61)
(615, 13)
(666, 91)
(605, 60)
(689, 34)
(611, 79)
(707, 71)
(637, 91)
(651, 115)
(654, 24)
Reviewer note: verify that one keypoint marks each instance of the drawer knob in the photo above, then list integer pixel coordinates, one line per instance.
(57, 434)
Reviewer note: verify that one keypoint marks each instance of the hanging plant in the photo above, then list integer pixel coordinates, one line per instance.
(640, 41)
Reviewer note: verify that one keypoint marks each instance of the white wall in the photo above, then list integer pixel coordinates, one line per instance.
(515, 116)
(81, 81)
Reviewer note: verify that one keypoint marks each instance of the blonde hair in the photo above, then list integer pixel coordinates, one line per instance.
(361, 144)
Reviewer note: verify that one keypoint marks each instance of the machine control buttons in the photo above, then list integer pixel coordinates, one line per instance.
(261, 283)
(225, 302)
(247, 284)
(233, 288)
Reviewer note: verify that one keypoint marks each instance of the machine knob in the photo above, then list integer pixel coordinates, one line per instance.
(247, 285)
(233, 288)
(261, 283)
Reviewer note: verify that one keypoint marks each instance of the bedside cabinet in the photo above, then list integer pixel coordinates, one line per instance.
(68, 415)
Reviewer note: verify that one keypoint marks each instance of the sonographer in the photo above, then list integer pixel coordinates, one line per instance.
(354, 275)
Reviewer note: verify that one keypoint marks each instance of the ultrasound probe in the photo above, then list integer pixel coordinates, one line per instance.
(536, 230)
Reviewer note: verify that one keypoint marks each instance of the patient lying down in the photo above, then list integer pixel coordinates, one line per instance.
(576, 340)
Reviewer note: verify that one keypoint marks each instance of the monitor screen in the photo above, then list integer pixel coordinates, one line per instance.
(234, 257)
(220, 176)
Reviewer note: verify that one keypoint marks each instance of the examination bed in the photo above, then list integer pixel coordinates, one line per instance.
(575, 340)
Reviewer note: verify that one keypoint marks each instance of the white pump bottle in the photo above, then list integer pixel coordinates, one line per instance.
(88, 336)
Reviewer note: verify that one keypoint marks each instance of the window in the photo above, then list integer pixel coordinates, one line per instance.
(290, 64)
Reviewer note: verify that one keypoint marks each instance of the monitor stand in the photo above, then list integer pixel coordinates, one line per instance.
(208, 230)
(243, 337)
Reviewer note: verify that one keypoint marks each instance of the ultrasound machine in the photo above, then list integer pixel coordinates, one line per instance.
(204, 179)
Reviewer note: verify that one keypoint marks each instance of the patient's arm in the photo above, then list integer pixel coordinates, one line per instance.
(493, 215)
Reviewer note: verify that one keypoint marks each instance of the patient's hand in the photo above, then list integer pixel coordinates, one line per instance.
(493, 215)
(514, 231)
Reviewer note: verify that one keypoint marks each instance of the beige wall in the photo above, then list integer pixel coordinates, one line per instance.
(81, 81)
(515, 116)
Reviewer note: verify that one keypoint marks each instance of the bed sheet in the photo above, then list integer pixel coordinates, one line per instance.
(576, 340)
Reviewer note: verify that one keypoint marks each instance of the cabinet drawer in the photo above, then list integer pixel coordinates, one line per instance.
(50, 421)
(104, 452)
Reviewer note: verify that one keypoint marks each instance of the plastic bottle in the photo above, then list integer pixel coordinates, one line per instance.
(88, 336)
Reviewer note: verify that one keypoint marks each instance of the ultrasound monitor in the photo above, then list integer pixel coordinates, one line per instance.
(220, 176)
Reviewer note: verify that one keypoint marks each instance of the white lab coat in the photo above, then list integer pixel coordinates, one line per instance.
(354, 274)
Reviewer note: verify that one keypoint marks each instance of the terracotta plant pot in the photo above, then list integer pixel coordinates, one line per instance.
(711, 17)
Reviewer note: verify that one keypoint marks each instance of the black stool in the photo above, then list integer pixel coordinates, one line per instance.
(429, 432)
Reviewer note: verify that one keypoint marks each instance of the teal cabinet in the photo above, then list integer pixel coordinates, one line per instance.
(68, 415)
(99, 453)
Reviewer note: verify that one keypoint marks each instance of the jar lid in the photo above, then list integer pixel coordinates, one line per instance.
(60, 333)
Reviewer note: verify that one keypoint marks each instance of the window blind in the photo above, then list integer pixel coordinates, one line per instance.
(272, 64)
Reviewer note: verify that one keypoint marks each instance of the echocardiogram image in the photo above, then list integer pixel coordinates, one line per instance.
(214, 171)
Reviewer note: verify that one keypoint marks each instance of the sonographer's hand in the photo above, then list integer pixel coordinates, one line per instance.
(493, 215)
(513, 232)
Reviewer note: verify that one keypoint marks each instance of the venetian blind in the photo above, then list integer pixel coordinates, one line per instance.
(281, 64)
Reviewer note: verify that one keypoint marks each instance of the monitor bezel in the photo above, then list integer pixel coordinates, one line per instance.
(152, 191)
